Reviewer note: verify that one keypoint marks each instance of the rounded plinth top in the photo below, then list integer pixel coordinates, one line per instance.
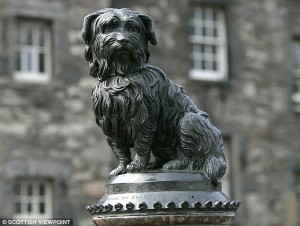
(160, 196)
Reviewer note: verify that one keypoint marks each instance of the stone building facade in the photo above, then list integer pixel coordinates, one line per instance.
(239, 60)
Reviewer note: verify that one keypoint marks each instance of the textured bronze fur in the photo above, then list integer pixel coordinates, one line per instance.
(138, 107)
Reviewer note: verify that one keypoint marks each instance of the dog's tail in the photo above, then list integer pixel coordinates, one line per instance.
(202, 144)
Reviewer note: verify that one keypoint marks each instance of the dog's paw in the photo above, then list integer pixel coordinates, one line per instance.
(176, 164)
(134, 167)
(121, 169)
(138, 164)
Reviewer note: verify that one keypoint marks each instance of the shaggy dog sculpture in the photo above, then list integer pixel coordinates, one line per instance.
(138, 107)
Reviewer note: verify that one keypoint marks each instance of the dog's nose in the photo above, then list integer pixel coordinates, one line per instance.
(121, 38)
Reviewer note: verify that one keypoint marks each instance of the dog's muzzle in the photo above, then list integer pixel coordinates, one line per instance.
(121, 49)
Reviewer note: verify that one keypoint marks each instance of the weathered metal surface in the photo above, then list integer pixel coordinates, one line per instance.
(138, 106)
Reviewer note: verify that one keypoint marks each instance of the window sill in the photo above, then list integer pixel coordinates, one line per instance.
(296, 102)
(296, 98)
(36, 78)
(207, 76)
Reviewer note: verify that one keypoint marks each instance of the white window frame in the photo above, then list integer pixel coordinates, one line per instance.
(34, 199)
(296, 76)
(27, 70)
(221, 73)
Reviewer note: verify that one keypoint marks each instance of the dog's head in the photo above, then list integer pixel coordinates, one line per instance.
(117, 41)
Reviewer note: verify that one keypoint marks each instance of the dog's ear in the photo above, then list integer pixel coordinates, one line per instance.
(88, 34)
(88, 31)
(148, 24)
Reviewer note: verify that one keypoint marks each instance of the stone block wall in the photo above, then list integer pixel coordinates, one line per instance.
(49, 129)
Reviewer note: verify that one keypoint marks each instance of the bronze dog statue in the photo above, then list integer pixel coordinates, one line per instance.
(138, 107)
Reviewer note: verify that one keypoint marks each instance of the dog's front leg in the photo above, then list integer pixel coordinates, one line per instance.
(122, 154)
(142, 146)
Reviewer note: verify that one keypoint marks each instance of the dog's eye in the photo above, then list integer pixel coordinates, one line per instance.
(131, 27)
(110, 26)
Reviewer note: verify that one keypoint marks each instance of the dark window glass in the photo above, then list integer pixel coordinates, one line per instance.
(215, 66)
(17, 207)
(41, 62)
(17, 189)
(203, 64)
(42, 207)
(18, 60)
(42, 190)
(29, 207)
(29, 189)
(41, 37)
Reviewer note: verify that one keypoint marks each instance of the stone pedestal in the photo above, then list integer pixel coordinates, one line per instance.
(160, 198)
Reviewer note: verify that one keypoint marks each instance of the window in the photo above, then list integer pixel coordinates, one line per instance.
(296, 76)
(209, 44)
(32, 198)
(32, 51)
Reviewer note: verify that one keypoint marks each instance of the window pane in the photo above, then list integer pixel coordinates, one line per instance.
(29, 61)
(29, 37)
(197, 13)
(17, 189)
(42, 207)
(214, 49)
(208, 65)
(297, 83)
(18, 38)
(41, 37)
(199, 48)
(204, 33)
(203, 14)
(23, 61)
(215, 66)
(208, 14)
(203, 64)
(18, 61)
(209, 32)
(197, 30)
(17, 207)
(42, 190)
(215, 32)
(29, 207)
(215, 15)
(22, 36)
(208, 49)
(41, 62)
(29, 189)
(296, 55)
